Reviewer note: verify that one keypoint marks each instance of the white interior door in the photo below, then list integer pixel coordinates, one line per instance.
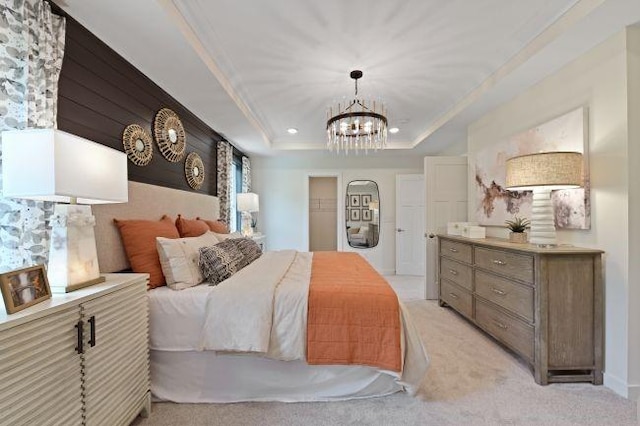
(446, 201)
(410, 229)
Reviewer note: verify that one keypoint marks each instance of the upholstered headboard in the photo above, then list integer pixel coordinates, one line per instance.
(145, 202)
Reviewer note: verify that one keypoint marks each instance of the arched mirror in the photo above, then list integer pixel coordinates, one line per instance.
(362, 213)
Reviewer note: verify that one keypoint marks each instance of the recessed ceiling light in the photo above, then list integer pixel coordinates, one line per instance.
(394, 130)
(292, 130)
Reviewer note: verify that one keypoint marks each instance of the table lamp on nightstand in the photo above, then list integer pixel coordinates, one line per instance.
(542, 173)
(248, 203)
(73, 172)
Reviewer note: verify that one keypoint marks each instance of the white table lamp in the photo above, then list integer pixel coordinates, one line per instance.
(248, 203)
(52, 165)
(542, 173)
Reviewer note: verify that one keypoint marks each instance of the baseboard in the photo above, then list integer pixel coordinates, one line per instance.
(387, 272)
(617, 385)
(634, 394)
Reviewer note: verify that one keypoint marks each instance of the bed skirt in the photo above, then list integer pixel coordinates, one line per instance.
(204, 377)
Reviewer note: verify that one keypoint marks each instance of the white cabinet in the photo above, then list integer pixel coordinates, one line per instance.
(77, 359)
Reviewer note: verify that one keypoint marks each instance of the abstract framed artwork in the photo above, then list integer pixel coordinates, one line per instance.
(494, 204)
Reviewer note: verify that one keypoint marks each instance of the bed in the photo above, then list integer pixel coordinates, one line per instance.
(226, 343)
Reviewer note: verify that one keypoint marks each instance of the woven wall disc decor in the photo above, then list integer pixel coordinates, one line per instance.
(169, 135)
(194, 170)
(137, 144)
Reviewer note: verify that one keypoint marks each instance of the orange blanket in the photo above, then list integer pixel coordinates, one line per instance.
(353, 317)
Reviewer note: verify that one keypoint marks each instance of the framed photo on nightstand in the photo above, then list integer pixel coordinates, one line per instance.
(24, 287)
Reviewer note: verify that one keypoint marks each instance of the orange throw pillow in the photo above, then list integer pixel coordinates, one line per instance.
(216, 226)
(191, 228)
(139, 238)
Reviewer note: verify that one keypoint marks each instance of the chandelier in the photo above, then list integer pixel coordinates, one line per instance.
(360, 125)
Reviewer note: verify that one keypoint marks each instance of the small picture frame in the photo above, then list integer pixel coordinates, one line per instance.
(25, 287)
(366, 215)
(346, 201)
(366, 199)
(354, 201)
(355, 215)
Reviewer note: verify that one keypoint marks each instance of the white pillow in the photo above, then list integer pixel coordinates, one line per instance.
(179, 259)
(223, 237)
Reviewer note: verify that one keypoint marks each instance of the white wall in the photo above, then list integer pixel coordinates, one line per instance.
(282, 183)
(598, 79)
(633, 106)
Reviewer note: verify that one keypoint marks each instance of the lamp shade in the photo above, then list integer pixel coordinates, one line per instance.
(551, 170)
(248, 202)
(52, 165)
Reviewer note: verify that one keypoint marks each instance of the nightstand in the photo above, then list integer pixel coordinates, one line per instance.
(261, 239)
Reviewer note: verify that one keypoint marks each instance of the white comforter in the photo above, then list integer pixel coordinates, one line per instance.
(261, 310)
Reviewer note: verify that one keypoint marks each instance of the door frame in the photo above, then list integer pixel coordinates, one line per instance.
(339, 205)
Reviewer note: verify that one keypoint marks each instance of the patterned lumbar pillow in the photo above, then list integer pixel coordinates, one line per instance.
(220, 261)
(249, 248)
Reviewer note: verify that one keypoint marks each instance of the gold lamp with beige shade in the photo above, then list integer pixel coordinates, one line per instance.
(542, 173)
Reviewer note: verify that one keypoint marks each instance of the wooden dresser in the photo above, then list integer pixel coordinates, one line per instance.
(546, 304)
(80, 358)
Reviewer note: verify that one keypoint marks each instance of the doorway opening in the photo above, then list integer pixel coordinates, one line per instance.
(323, 213)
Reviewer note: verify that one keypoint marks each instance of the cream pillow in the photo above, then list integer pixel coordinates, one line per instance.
(232, 235)
(179, 259)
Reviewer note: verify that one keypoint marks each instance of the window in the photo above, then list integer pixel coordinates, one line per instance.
(236, 187)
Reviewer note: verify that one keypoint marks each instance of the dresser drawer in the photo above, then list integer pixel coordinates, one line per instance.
(457, 272)
(515, 297)
(512, 265)
(455, 250)
(513, 332)
(458, 298)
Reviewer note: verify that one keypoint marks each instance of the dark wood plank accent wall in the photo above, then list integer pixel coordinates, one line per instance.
(100, 93)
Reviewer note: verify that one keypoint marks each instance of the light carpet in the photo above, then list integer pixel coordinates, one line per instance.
(472, 381)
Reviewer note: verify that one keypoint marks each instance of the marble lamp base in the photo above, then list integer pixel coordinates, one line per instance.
(73, 259)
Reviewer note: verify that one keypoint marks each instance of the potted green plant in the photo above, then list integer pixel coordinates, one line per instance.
(518, 226)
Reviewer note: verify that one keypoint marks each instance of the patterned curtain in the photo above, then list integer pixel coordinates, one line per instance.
(30, 61)
(246, 174)
(225, 163)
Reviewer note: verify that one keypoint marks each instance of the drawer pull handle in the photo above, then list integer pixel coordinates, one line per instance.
(455, 296)
(499, 262)
(453, 272)
(452, 250)
(501, 325)
(497, 291)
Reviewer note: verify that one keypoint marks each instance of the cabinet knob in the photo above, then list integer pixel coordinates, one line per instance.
(452, 250)
(499, 262)
(498, 291)
(455, 296)
(453, 272)
(400, 230)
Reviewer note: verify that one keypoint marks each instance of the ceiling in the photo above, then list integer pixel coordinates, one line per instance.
(253, 69)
